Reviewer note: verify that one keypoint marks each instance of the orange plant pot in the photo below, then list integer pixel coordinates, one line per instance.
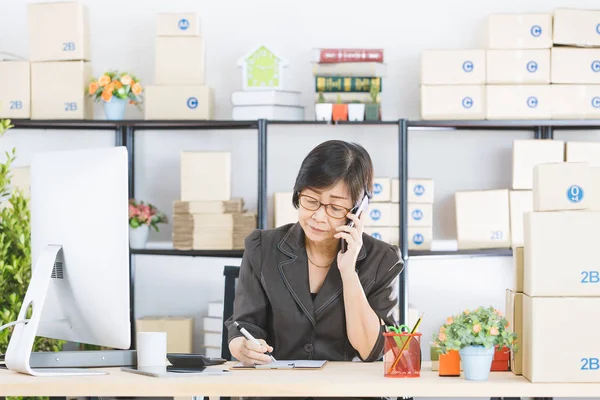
(340, 112)
(450, 364)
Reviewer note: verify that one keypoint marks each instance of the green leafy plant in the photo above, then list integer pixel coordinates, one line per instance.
(141, 213)
(321, 98)
(339, 99)
(481, 327)
(15, 253)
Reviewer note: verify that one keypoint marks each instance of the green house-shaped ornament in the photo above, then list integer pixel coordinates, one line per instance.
(262, 70)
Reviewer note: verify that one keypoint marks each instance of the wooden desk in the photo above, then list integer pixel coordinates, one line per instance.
(335, 379)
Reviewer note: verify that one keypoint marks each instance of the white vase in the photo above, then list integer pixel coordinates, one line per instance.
(324, 111)
(138, 237)
(476, 362)
(356, 112)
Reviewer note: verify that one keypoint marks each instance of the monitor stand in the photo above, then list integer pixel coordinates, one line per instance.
(21, 342)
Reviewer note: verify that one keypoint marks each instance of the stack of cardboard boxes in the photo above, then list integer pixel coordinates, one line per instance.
(212, 329)
(557, 282)
(179, 90)
(493, 218)
(519, 74)
(52, 84)
(206, 217)
(575, 93)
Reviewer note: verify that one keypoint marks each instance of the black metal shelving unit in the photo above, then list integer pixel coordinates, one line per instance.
(125, 132)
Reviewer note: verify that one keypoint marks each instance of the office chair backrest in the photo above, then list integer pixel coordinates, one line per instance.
(231, 275)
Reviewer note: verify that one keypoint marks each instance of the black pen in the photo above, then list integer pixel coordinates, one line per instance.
(251, 338)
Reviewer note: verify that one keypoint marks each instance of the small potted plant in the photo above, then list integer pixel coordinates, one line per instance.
(476, 335)
(356, 111)
(142, 216)
(323, 110)
(372, 110)
(115, 89)
(340, 110)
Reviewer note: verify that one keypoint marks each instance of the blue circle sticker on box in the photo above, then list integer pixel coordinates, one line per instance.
(419, 190)
(468, 66)
(376, 235)
(532, 66)
(183, 24)
(192, 102)
(418, 239)
(467, 102)
(377, 188)
(596, 66)
(575, 193)
(536, 31)
(596, 102)
(375, 214)
(417, 215)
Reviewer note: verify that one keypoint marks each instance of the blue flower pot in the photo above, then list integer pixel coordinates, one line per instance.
(115, 109)
(476, 362)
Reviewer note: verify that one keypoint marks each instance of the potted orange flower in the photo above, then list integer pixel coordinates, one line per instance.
(114, 89)
(475, 334)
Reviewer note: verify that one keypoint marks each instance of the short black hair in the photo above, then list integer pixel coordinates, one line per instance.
(334, 161)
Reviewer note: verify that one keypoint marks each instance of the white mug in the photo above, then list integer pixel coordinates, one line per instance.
(151, 349)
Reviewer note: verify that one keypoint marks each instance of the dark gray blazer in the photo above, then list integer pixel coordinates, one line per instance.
(273, 300)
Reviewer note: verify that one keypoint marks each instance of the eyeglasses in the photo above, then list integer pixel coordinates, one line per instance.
(333, 210)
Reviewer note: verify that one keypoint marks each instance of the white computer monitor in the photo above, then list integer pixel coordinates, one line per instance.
(79, 290)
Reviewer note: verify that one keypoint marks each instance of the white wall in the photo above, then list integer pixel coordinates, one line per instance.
(122, 36)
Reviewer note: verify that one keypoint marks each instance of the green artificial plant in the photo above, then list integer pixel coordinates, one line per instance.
(15, 252)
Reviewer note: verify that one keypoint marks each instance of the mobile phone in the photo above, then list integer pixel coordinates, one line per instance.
(358, 211)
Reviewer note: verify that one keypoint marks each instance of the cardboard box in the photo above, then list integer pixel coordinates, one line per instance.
(561, 253)
(453, 67)
(177, 24)
(284, 210)
(560, 186)
(419, 191)
(394, 215)
(58, 31)
(420, 214)
(453, 102)
(383, 233)
(514, 316)
(587, 152)
(58, 90)
(382, 190)
(594, 189)
(179, 331)
(419, 238)
(395, 195)
(575, 66)
(212, 324)
(519, 265)
(379, 214)
(205, 175)
(482, 219)
(529, 153)
(575, 101)
(521, 201)
(519, 102)
(180, 61)
(519, 31)
(576, 27)
(574, 360)
(178, 103)
(15, 96)
(518, 66)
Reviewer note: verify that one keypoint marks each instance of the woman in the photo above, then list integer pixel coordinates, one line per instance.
(297, 293)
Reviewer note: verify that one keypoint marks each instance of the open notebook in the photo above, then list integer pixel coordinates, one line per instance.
(285, 364)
